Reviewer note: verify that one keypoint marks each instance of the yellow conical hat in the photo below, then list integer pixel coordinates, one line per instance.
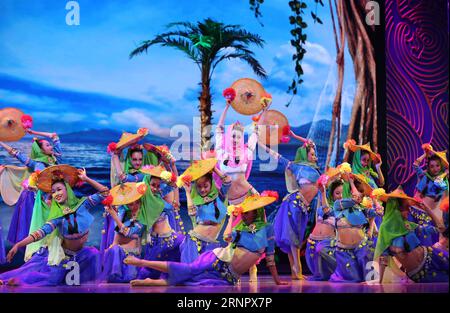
(127, 193)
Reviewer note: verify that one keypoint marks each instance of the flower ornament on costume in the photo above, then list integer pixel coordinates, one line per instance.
(348, 143)
(184, 179)
(112, 148)
(265, 100)
(27, 121)
(252, 228)
(427, 147)
(270, 193)
(345, 168)
(169, 176)
(108, 200)
(285, 134)
(440, 183)
(236, 210)
(142, 131)
(229, 94)
(323, 180)
(378, 192)
(367, 203)
(32, 180)
(444, 205)
(141, 188)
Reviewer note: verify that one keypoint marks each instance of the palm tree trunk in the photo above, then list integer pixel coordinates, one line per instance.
(205, 109)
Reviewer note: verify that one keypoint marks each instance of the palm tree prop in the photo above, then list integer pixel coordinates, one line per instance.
(208, 43)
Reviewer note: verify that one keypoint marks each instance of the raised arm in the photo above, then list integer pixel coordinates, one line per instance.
(22, 158)
(82, 175)
(42, 134)
(380, 174)
(300, 138)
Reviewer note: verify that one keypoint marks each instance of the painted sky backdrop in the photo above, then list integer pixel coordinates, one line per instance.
(79, 77)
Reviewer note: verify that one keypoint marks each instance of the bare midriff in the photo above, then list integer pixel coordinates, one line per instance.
(323, 230)
(75, 244)
(410, 260)
(125, 242)
(209, 231)
(239, 187)
(350, 236)
(243, 260)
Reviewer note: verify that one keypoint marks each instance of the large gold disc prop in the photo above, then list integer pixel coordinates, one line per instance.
(273, 128)
(248, 96)
(11, 128)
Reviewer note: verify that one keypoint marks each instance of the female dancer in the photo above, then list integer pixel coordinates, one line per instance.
(235, 160)
(397, 239)
(321, 243)
(43, 154)
(431, 188)
(69, 221)
(363, 157)
(354, 247)
(129, 231)
(224, 266)
(297, 211)
(207, 210)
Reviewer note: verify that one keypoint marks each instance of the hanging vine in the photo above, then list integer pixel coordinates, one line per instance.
(299, 36)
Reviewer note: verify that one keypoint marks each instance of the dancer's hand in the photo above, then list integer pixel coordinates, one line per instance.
(132, 260)
(281, 283)
(82, 175)
(187, 187)
(12, 253)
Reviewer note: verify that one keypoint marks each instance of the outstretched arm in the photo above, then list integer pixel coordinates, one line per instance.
(43, 134)
(300, 138)
(8, 148)
(380, 174)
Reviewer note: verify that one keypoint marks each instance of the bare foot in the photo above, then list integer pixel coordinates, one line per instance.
(13, 282)
(253, 273)
(295, 274)
(148, 282)
(132, 260)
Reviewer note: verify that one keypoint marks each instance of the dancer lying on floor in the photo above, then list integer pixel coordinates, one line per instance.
(224, 266)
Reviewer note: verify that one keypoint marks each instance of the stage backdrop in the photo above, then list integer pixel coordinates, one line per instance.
(416, 84)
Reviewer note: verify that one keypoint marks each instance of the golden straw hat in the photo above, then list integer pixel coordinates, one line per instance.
(64, 172)
(365, 184)
(128, 139)
(398, 193)
(127, 193)
(154, 171)
(199, 168)
(248, 96)
(352, 146)
(11, 128)
(256, 201)
(273, 127)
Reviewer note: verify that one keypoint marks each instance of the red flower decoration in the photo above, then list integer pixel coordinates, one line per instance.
(79, 184)
(237, 211)
(187, 179)
(256, 118)
(112, 147)
(173, 178)
(27, 121)
(286, 130)
(229, 94)
(142, 188)
(270, 193)
(108, 200)
(427, 147)
(285, 139)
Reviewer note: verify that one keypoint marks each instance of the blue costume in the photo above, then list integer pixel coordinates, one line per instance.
(211, 268)
(351, 261)
(23, 211)
(73, 225)
(320, 250)
(210, 211)
(114, 270)
(294, 218)
(164, 247)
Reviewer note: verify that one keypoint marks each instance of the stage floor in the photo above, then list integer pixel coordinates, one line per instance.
(264, 285)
